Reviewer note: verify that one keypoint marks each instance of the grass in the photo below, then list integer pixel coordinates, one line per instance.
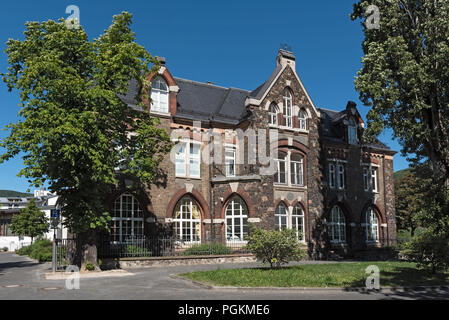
(394, 274)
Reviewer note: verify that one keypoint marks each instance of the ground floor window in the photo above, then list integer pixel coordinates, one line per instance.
(298, 222)
(236, 220)
(337, 226)
(127, 219)
(187, 220)
(281, 216)
(371, 226)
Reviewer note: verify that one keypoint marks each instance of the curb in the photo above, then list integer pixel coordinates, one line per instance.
(103, 274)
(347, 289)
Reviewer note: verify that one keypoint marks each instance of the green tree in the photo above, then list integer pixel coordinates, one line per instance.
(405, 76)
(75, 128)
(410, 197)
(31, 222)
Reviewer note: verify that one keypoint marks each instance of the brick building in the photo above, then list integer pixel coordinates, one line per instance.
(336, 191)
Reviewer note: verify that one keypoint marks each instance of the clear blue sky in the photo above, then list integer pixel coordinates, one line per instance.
(231, 43)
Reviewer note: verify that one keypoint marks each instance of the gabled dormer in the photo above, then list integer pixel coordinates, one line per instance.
(354, 124)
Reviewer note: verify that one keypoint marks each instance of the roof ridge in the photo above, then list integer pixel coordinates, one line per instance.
(210, 84)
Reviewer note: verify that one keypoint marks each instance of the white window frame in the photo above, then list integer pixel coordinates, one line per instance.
(288, 108)
(340, 176)
(372, 231)
(180, 221)
(370, 177)
(296, 217)
(279, 215)
(297, 171)
(337, 237)
(352, 132)
(278, 166)
(135, 208)
(230, 160)
(242, 216)
(302, 119)
(332, 175)
(273, 116)
(159, 97)
(292, 167)
(374, 181)
(186, 159)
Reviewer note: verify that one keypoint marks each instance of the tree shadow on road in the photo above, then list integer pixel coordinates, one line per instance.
(4, 266)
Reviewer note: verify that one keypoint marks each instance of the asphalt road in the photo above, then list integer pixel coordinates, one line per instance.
(23, 279)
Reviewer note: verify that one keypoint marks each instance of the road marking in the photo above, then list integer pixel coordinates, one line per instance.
(13, 286)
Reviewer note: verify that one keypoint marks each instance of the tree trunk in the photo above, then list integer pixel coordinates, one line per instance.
(86, 251)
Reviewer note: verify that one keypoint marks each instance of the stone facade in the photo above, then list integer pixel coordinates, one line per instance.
(321, 141)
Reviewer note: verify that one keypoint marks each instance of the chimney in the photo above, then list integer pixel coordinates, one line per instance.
(161, 60)
(285, 57)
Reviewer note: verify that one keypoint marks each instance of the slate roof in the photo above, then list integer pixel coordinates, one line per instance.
(207, 102)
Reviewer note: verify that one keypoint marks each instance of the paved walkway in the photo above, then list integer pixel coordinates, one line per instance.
(21, 278)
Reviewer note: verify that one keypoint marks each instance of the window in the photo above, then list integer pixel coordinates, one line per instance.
(371, 226)
(159, 95)
(280, 176)
(5, 231)
(127, 219)
(352, 131)
(374, 179)
(366, 179)
(340, 176)
(337, 226)
(187, 221)
(187, 159)
(298, 222)
(236, 220)
(288, 108)
(273, 114)
(296, 170)
(230, 161)
(331, 175)
(302, 119)
(370, 178)
(281, 216)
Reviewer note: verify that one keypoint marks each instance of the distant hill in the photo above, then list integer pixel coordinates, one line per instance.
(10, 193)
(399, 174)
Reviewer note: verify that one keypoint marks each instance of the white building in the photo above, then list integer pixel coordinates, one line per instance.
(10, 206)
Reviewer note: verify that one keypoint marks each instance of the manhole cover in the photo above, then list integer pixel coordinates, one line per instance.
(13, 286)
(51, 288)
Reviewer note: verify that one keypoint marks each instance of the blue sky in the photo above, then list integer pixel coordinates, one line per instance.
(231, 43)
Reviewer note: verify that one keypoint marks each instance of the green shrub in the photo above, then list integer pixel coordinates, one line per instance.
(136, 251)
(5, 249)
(428, 250)
(212, 248)
(274, 247)
(90, 266)
(40, 250)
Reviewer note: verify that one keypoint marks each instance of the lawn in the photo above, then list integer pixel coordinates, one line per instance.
(402, 274)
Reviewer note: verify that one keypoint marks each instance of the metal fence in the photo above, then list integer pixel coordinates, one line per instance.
(63, 252)
(167, 246)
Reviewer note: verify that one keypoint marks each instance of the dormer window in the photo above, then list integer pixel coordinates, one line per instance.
(273, 114)
(352, 132)
(302, 119)
(159, 95)
(288, 102)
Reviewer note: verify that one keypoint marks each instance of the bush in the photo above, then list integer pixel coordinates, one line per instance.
(5, 249)
(275, 247)
(136, 251)
(90, 266)
(428, 250)
(40, 250)
(212, 248)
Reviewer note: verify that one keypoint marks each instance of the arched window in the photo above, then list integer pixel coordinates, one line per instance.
(371, 225)
(281, 216)
(187, 220)
(302, 119)
(288, 103)
(273, 114)
(127, 219)
(236, 220)
(159, 95)
(337, 226)
(298, 222)
(352, 131)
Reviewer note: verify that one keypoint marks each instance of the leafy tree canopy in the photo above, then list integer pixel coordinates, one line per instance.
(405, 76)
(75, 130)
(31, 221)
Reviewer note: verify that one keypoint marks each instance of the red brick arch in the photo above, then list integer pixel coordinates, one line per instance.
(204, 207)
(284, 143)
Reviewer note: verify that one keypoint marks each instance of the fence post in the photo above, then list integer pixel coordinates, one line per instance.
(53, 260)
